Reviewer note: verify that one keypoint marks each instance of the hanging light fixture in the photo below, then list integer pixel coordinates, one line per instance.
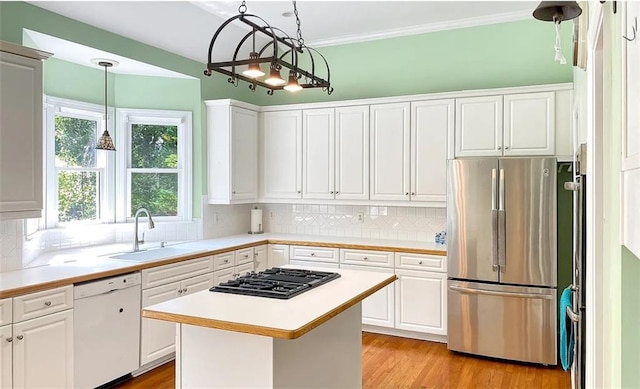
(105, 142)
(280, 51)
(556, 12)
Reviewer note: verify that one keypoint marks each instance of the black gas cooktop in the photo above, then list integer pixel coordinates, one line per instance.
(279, 283)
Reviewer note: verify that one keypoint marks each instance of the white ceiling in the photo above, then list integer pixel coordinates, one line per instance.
(186, 28)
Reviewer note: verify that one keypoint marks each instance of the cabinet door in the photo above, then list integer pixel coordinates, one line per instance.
(317, 153)
(352, 153)
(6, 357)
(196, 284)
(242, 270)
(43, 352)
(478, 126)
(158, 338)
(421, 301)
(390, 156)
(377, 309)
(225, 275)
(21, 133)
(282, 155)
(431, 122)
(278, 255)
(260, 258)
(529, 124)
(244, 154)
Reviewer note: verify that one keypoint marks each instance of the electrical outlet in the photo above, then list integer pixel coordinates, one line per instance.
(361, 217)
(272, 214)
(216, 218)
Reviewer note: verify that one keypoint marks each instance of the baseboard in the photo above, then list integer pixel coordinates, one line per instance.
(404, 333)
(152, 365)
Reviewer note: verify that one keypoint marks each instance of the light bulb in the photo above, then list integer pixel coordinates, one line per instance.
(253, 70)
(274, 77)
(292, 85)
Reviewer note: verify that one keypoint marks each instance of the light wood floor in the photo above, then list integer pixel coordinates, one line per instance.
(392, 362)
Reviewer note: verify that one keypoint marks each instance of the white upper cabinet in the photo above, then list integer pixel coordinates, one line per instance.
(232, 153)
(318, 153)
(282, 155)
(478, 126)
(390, 151)
(529, 124)
(431, 122)
(21, 151)
(352, 153)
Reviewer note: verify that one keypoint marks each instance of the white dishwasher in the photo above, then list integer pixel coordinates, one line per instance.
(106, 321)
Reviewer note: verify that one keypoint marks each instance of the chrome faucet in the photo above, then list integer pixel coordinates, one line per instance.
(136, 242)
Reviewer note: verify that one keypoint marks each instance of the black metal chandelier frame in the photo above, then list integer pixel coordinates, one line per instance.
(280, 52)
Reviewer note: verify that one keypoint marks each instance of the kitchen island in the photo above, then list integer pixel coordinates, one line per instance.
(313, 340)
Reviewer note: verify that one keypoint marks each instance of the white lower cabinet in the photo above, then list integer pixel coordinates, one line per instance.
(260, 258)
(421, 301)
(377, 309)
(6, 357)
(304, 263)
(158, 338)
(223, 276)
(277, 255)
(43, 352)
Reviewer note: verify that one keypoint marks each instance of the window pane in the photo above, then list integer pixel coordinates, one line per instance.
(77, 196)
(154, 146)
(158, 192)
(75, 142)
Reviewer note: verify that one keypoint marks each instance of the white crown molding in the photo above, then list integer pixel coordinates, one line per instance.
(425, 28)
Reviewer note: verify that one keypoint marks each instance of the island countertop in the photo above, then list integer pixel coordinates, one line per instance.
(285, 319)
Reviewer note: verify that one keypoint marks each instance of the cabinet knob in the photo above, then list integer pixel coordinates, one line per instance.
(337, 192)
(9, 340)
(299, 191)
(331, 192)
(413, 193)
(499, 147)
(406, 194)
(313, 254)
(234, 192)
(365, 258)
(20, 337)
(419, 262)
(246, 255)
(47, 303)
(506, 147)
(184, 290)
(226, 261)
(180, 291)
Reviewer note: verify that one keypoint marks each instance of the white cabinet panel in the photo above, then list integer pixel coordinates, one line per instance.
(631, 210)
(37, 304)
(318, 148)
(366, 258)
(316, 254)
(304, 264)
(158, 337)
(564, 125)
(21, 150)
(421, 302)
(232, 153)
(6, 357)
(431, 122)
(278, 255)
(224, 275)
(410, 261)
(260, 258)
(390, 155)
(242, 270)
(43, 352)
(196, 284)
(224, 260)
(478, 126)
(244, 256)
(165, 274)
(282, 155)
(6, 311)
(529, 124)
(352, 153)
(377, 309)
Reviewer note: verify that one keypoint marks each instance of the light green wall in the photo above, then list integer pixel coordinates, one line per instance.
(630, 320)
(491, 56)
(76, 82)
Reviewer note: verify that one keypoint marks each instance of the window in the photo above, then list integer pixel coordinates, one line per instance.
(154, 162)
(77, 186)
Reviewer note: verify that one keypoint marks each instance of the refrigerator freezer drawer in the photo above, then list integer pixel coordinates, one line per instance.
(508, 322)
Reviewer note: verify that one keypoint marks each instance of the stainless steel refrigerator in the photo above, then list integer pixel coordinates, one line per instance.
(501, 258)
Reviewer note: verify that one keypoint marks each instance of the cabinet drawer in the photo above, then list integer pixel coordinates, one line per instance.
(176, 272)
(366, 257)
(244, 269)
(437, 263)
(224, 260)
(5, 312)
(316, 254)
(244, 256)
(223, 276)
(305, 263)
(42, 303)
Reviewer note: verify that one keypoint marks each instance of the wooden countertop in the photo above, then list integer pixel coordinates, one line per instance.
(85, 265)
(285, 319)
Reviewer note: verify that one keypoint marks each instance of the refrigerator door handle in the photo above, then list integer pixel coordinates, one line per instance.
(494, 222)
(501, 294)
(502, 226)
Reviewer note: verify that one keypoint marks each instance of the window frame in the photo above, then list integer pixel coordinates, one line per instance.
(105, 161)
(183, 120)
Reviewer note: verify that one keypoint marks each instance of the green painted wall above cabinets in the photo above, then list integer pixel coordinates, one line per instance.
(492, 56)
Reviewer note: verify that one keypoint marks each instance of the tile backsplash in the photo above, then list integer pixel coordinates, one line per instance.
(10, 245)
(223, 220)
(397, 223)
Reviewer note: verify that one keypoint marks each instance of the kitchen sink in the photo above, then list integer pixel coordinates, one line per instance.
(155, 254)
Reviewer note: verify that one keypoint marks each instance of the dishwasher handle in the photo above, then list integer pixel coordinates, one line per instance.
(106, 286)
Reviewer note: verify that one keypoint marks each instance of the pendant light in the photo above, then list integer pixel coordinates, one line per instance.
(292, 85)
(105, 142)
(275, 78)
